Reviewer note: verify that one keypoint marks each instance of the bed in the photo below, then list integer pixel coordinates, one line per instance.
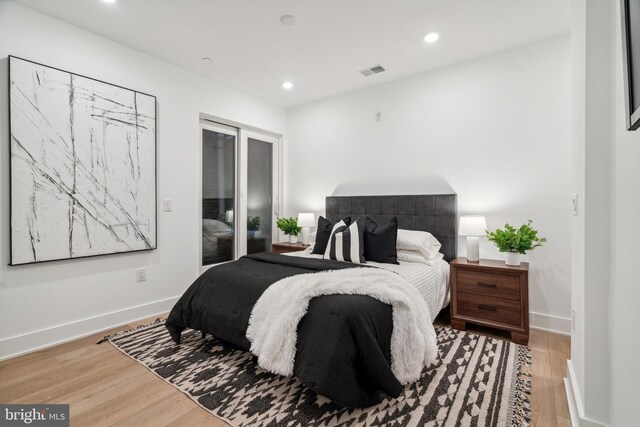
(431, 281)
(345, 344)
(217, 235)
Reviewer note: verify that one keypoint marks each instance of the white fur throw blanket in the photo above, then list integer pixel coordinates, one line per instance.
(274, 320)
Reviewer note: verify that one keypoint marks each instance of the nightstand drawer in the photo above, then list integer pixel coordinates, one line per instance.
(489, 308)
(501, 286)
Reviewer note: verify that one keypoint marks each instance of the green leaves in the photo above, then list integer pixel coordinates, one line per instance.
(289, 226)
(253, 223)
(518, 240)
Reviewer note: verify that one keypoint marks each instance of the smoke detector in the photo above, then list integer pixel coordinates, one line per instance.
(369, 71)
(288, 20)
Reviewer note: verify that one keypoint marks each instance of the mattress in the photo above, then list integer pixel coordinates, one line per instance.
(432, 281)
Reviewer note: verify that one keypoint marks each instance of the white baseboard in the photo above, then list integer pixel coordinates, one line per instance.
(571, 402)
(574, 400)
(43, 338)
(549, 323)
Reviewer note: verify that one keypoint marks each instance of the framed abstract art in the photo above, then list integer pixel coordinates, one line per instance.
(83, 166)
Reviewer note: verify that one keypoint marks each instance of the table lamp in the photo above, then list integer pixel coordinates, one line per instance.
(473, 226)
(306, 221)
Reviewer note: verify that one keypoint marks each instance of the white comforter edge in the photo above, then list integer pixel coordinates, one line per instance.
(274, 319)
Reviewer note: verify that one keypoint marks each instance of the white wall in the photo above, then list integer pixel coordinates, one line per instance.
(592, 247)
(591, 234)
(495, 130)
(625, 292)
(578, 81)
(46, 303)
(603, 367)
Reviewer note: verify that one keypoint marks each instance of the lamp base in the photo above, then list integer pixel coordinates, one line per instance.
(473, 249)
(305, 235)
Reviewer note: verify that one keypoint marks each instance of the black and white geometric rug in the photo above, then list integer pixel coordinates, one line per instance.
(479, 381)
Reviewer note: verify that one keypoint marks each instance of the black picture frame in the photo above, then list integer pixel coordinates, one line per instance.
(630, 20)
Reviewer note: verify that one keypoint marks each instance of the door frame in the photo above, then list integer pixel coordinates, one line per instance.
(228, 130)
(242, 133)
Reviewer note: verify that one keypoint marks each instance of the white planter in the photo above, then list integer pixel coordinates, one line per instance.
(293, 239)
(512, 259)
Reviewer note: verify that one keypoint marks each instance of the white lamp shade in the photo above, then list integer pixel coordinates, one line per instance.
(472, 225)
(306, 220)
(229, 216)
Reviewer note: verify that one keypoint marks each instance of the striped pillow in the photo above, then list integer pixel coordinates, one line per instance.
(346, 243)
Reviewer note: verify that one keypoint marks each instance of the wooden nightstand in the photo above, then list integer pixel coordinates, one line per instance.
(284, 247)
(491, 293)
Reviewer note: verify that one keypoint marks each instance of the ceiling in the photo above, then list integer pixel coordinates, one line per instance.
(322, 53)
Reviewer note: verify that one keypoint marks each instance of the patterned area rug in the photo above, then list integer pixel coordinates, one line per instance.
(479, 381)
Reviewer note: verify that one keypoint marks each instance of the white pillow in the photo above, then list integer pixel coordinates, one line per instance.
(212, 229)
(416, 256)
(421, 241)
(215, 226)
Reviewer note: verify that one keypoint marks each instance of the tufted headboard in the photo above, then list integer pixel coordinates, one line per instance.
(437, 214)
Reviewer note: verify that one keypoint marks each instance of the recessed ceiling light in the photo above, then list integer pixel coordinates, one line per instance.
(207, 59)
(287, 85)
(109, 1)
(431, 37)
(288, 20)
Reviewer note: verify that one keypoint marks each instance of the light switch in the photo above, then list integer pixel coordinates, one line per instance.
(574, 204)
(168, 205)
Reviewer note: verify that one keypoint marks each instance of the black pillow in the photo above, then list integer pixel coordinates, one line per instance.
(323, 234)
(347, 243)
(380, 241)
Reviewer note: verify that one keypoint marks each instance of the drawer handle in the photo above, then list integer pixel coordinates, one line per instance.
(487, 307)
(486, 285)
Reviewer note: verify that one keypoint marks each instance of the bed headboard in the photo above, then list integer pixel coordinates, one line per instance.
(437, 214)
(216, 208)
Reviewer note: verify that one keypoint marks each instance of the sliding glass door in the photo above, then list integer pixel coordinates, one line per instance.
(260, 212)
(218, 193)
(240, 171)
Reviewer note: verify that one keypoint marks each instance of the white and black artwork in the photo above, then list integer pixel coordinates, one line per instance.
(83, 166)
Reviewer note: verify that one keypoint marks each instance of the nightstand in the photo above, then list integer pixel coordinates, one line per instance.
(493, 294)
(284, 247)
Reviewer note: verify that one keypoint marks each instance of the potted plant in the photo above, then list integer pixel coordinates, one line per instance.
(253, 225)
(289, 226)
(515, 241)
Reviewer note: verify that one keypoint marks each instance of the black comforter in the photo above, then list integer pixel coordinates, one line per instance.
(344, 341)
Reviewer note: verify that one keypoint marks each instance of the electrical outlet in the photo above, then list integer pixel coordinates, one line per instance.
(168, 205)
(141, 274)
(573, 319)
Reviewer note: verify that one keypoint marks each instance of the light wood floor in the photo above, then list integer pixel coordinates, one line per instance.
(104, 387)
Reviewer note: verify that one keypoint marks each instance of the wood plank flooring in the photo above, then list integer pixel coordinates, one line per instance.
(105, 387)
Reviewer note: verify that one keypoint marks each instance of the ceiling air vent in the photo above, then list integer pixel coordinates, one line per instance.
(372, 70)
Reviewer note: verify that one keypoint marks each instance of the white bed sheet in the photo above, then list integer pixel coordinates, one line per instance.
(432, 281)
